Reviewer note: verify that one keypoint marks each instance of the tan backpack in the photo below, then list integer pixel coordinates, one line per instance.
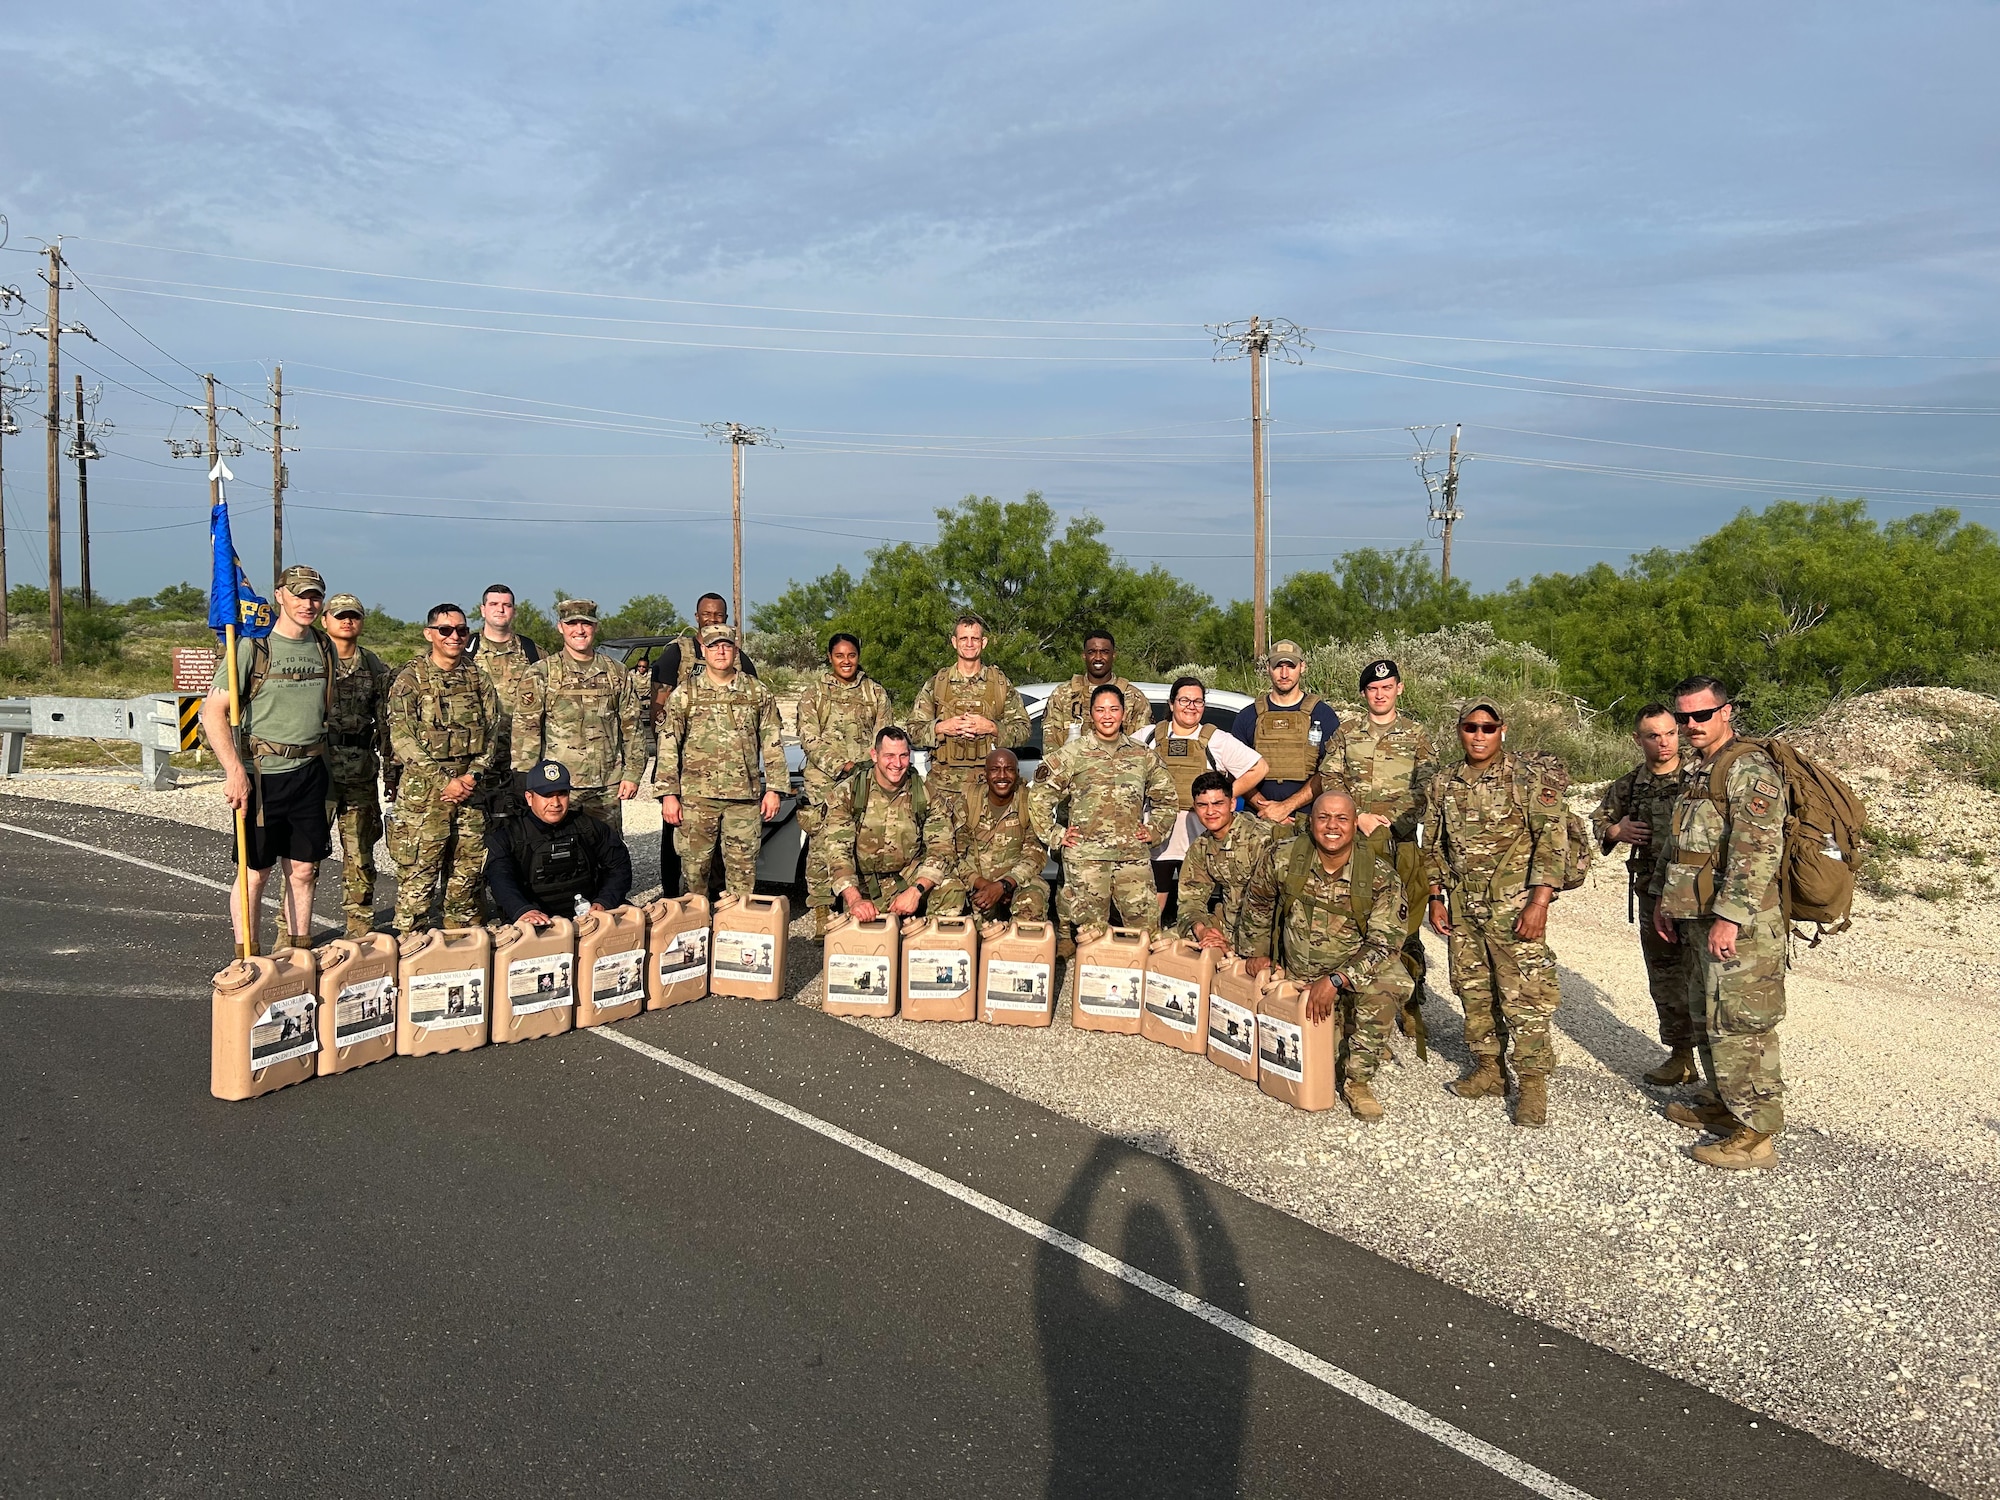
(1548, 772)
(1823, 823)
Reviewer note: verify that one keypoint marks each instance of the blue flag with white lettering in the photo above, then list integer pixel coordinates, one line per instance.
(231, 600)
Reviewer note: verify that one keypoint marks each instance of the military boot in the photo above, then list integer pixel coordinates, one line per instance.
(1482, 1082)
(360, 926)
(1702, 1114)
(1746, 1150)
(1362, 1101)
(1531, 1102)
(285, 940)
(1680, 1067)
(1066, 944)
(820, 915)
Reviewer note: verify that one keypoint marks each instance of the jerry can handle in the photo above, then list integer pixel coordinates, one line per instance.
(1129, 936)
(760, 903)
(1031, 929)
(952, 924)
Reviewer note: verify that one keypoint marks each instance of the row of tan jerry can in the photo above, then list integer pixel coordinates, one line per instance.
(1169, 990)
(302, 1014)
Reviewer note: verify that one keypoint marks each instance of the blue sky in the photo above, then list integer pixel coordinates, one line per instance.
(945, 250)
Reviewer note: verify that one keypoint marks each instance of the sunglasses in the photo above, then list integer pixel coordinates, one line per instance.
(1698, 715)
(1473, 727)
(452, 629)
(347, 614)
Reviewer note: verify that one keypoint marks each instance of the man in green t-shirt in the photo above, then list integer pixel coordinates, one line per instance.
(277, 773)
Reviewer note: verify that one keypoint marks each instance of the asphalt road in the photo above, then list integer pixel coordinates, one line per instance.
(564, 1266)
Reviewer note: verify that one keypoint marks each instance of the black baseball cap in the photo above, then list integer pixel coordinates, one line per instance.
(548, 778)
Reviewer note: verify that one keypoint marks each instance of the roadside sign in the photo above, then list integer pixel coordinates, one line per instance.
(194, 668)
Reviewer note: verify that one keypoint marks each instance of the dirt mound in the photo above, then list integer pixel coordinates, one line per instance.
(1898, 733)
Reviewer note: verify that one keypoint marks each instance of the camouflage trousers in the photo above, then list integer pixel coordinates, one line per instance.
(737, 828)
(1092, 886)
(1029, 903)
(429, 837)
(601, 802)
(1737, 1007)
(1507, 986)
(357, 811)
(1670, 973)
(1368, 1020)
(819, 875)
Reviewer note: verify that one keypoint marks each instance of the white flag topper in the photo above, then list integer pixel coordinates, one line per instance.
(220, 471)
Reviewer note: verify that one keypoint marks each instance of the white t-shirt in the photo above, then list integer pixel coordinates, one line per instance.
(1231, 756)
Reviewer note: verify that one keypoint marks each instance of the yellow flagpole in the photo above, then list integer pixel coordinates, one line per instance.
(248, 943)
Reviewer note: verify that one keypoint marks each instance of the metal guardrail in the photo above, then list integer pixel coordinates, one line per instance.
(151, 722)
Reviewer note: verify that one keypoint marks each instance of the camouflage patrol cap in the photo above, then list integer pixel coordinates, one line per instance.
(299, 580)
(568, 611)
(710, 634)
(1287, 651)
(548, 778)
(1467, 705)
(1380, 670)
(344, 604)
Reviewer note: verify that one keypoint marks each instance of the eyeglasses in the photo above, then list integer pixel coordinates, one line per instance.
(1184, 701)
(1470, 727)
(1698, 715)
(452, 629)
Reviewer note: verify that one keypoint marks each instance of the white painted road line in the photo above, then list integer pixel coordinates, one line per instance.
(130, 859)
(1414, 1417)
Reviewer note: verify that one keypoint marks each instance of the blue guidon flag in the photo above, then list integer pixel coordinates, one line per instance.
(231, 600)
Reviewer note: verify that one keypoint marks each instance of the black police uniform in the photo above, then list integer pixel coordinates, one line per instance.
(537, 866)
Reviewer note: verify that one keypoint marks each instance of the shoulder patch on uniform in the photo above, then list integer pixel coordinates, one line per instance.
(1759, 806)
(1549, 797)
(1765, 789)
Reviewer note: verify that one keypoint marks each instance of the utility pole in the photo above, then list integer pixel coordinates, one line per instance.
(53, 330)
(1443, 492)
(281, 475)
(738, 437)
(1257, 340)
(82, 450)
(53, 333)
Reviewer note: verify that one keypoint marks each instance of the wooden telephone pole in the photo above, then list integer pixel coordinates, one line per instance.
(738, 437)
(280, 476)
(1443, 492)
(82, 449)
(53, 333)
(1257, 340)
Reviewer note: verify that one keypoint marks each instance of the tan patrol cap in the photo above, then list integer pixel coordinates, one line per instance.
(341, 604)
(300, 580)
(1287, 651)
(710, 634)
(570, 610)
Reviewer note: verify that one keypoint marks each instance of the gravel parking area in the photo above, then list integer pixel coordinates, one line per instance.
(1851, 1292)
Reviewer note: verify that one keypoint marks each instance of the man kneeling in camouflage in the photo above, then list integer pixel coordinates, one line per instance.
(1333, 915)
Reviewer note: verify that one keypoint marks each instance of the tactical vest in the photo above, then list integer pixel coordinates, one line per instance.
(953, 692)
(1185, 758)
(1284, 738)
(260, 673)
(442, 728)
(561, 866)
(351, 716)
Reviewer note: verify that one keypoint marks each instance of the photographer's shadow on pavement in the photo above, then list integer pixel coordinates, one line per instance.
(1142, 1398)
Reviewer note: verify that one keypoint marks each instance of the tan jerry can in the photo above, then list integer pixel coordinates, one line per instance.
(534, 980)
(1232, 1018)
(676, 950)
(610, 965)
(1178, 976)
(862, 967)
(747, 957)
(264, 1025)
(1295, 1057)
(443, 989)
(940, 962)
(357, 1002)
(1110, 979)
(1017, 973)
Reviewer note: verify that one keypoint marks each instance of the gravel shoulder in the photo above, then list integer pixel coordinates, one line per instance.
(1850, 1292)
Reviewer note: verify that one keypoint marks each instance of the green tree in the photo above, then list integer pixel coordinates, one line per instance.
(643, 614)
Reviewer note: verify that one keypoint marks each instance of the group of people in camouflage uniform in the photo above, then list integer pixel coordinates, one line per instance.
(1307, 844)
